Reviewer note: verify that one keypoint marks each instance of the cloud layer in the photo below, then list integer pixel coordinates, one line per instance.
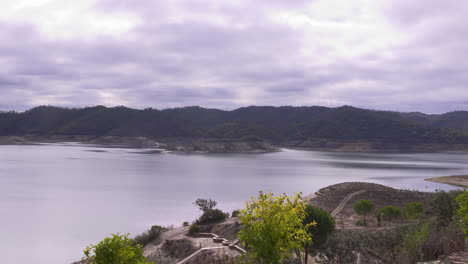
(406, 55)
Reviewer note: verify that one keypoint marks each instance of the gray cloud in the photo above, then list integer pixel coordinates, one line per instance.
(228, 55)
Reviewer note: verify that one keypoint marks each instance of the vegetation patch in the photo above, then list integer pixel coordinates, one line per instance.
(150, 235)
(210, 214)
(179, 248)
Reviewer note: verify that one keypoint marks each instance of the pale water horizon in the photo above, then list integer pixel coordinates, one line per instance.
(56, 199)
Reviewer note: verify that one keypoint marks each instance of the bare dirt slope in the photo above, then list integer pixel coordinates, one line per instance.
(174, 245)
(338, 199)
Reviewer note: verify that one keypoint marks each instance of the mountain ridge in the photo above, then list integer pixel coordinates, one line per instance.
(274, 124)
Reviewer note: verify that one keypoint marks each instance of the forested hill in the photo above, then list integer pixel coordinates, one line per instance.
(275, 124)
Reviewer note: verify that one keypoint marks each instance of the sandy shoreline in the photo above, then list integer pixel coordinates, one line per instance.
(456, 180)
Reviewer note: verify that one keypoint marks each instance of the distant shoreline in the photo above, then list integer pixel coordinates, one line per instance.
(174, 145)
(456, 180)
(216, 145)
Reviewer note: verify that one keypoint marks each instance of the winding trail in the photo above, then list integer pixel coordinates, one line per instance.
(344, 202)
(224, 244)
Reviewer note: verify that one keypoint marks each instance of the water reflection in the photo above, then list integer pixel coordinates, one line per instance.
(61, 198)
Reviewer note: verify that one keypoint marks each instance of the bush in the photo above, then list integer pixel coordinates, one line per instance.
(363, 208)
(443, 206)
(390, 212)
(378, 216)
(194, 229)
(116, 249)
(211, 216)
(413, 210)
(462, 211)
(150, 235)
(235, 213)
(272, 227)
(323, 227)
(375, 246)
(413, 242)
(442, 241)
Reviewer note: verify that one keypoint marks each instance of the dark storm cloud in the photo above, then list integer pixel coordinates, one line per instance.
(231, 54)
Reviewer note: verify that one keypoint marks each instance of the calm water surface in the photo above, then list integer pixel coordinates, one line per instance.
(57, 199)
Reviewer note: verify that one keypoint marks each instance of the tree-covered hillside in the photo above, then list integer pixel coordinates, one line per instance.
(275, 124)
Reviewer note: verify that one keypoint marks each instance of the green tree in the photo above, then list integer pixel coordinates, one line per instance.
(117, 249)
(324, 227)
(390, 212)
(462, 212)
(194, 229)
(210, 215)
(413, 210)
(205, 204)
(272, 227)
(364, 208)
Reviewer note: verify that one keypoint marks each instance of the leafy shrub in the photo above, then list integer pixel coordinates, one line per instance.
(390, 212)
(150, 235)
(273, 227)
(211, 216)
(235, 213)
(116, 249)
(443, 206)
(194, 229)
(246, 258)
(462, 200)
(363, 208)
(320, 225)
(413, 210)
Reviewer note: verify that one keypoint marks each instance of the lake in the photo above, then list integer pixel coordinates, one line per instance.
(55, 199)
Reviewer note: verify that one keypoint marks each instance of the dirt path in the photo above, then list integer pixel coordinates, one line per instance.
(344, 202)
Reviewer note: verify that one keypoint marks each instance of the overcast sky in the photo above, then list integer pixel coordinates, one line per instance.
(395, 55)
